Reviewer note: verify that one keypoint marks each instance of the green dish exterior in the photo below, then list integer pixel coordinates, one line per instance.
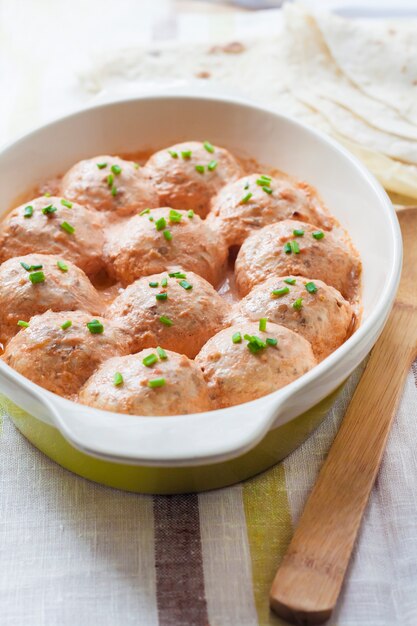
(275, 446)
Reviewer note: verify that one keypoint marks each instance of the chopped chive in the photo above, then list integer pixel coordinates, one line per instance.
(255, 344)
(26, 266)
(68, 228)
(37, 277)
(267, 178)
(136, 165)
(174, 216)
(153, 284)
(114, 191)
(278, 293)
(173, 154)
(116, 169)
(177, 275)
(23, 324)
(237, 338)
(162, 296)
(66, 203)
(297, 304)
(289, 281)
(164, 282)
(101, 166)
(246, 185)
(166, 321)
(271, 341)
(190, 214)
(212, 166)
(156, 382)
(47, 194)
(66, 325)
(263, 182)
(110, 180)
(295, 247)
(145, 211)
(37, 266)
(150, 360)
(185, 284)
(246, 198)
(267, 190)
(47, 210)
(199, 169)
(160, 223)
(262, 324)
(28, 212)
(209, 147)
(62, 266)
(117, 379)
(298, 232)
(95, 327)
(287, 248)
(186, 154)
(150, 219)
(318, 234)
(167, 234)
(311, 287)
(161, 353)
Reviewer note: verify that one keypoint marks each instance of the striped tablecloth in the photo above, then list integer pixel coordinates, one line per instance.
(73, 553)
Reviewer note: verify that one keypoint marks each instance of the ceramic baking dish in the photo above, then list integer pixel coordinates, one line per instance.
(207, 450)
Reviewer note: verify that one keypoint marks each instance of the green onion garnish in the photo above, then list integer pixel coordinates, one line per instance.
(287, 248)
(166, 321)
(101, 166)
(114, 191)
(110, 180)
(295, 247)
(156, 382)
(267, 190)
(167, 234)
(150, 218)
(186, 154)
(246, 185)
(298, 232)
(117, 379)
(161, 353)
(267, 178)
(246, 198)
(318, 234)
(255, 344)
(62, 266)
(95, 327)
(297, 304)
(145, 211)
(25, 266)
(37, 277)
(262, 324)
(185, 284)
(136, 165)
(47, 194)
(23, 324)
(162, 296)
(278, 293)
(47, 210)
(212, 166)
(190, 214)
(237, 338)
(164, 282)
(174, 216)
(116, 169)
(66, 325)
(271, 341)
(153, 284)
(66, 203)
(31, 268)
(160, 223)
(173, 154)
(150, 360)
(311, 287)
(209, 147)
(28, 212)
(68, 228)
(289, 281)
(263, 182)
(199, 169)
(177, 275)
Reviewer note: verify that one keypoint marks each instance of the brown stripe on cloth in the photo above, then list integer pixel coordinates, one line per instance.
(179, 562)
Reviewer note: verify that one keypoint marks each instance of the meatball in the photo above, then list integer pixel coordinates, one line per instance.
(188, 175)
(295, 248)
(192, 312)
(241, 363)
(254, 201)
(311, 308)
(63, 287)
(58, 351)
(108, 183)
(170, 384)
(54, 226)
(164, 239)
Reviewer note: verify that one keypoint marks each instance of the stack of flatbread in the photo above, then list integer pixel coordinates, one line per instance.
(354, 79)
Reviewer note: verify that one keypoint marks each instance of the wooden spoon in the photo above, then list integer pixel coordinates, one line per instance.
(308, 582)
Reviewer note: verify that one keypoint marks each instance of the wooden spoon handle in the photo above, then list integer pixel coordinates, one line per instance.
(308, 582)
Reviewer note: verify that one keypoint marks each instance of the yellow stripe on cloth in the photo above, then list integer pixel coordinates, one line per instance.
(269, 529)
